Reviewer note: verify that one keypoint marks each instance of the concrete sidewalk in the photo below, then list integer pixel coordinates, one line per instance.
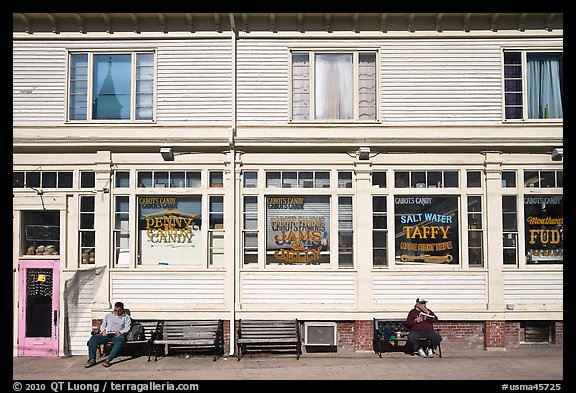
(532, 364)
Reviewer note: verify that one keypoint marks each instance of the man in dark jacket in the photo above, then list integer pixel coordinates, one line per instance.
(421, 321)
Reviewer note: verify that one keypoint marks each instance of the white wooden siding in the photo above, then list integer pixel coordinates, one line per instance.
(533, 287)
(80, 320)
(298, 288)
(445, 288)
(38, 83)
(194, 79)
(170, 287)
(423, 81)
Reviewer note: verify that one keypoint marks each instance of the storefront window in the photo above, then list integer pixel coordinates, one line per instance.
(41, 233)
(297, 229)
(544, 229)
(169, 230)
(426, 229)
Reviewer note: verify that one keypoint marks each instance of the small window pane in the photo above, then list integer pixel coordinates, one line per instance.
(216, 179)
(17, 179)
(450, 179)
(418, 180)
(122, 179)
(344, 179)
(401, 179)
(87, 179)
(289, 179)
(144, 179)
(32, 179)
(379, 204)
(193, 179)
(250, 179)
(160, 179)
(273, 180)
(65, 179)
(508, 179)
(49, 179)
(434, 179)
(306, 179)
(177, 179)
(474, 179)
(379, 179)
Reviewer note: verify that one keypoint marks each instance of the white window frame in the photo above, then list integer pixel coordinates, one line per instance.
(523, 52)
(89, 114)
(356, 105)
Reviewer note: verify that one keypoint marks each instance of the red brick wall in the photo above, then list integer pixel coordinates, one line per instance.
(559, 333)
(512, 334)
(461, 334)
(346, 336)
(364, 335)
(495, 334)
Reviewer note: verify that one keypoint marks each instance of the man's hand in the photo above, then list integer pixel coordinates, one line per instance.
(419, 319)
(104, 332)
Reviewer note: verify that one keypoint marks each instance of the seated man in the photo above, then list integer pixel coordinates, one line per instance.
(114, 328)
(421, 320)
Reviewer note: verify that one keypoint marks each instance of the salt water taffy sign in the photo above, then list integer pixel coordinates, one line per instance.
(426, 229)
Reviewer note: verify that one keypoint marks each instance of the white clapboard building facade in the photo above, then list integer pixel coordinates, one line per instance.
(325, 167)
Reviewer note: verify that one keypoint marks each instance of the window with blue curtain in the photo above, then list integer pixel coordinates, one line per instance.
(121, 86)
(544, 74)
(533, 85)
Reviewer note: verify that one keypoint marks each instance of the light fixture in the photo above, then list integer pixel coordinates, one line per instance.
(557, 154)
(167, 153)
(363, 153)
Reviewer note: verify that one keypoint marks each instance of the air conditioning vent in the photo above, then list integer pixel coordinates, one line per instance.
(320, 333)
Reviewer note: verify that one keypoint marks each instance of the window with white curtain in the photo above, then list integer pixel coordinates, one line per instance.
(334, 86)
(111, 86)
(533, 85)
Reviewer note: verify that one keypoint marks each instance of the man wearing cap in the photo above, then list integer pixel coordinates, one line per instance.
(421, 320)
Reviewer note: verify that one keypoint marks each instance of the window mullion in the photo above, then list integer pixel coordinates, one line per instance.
(89, 86)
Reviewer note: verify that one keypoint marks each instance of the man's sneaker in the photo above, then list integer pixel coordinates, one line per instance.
(106, 363)
(421, 353)
(430, 353)
(90, 363)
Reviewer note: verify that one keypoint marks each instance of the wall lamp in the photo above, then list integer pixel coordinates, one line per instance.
(363, 153)
(168, 153)
(557, 154)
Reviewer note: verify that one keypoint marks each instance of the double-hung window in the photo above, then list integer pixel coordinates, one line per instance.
(533, 84)
(334, 86)
(111, 86)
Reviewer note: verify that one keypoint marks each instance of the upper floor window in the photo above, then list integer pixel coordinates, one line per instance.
(533, 85)
(334, 86)
(120, 86)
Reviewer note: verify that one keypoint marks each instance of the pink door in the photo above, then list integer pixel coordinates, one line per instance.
(38, 307)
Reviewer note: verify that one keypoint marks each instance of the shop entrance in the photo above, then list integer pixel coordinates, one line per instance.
(38, 307)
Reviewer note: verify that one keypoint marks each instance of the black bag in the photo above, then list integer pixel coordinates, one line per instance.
(136, 332)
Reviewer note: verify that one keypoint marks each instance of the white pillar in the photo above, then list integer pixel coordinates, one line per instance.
(103, 228)
(494, 244)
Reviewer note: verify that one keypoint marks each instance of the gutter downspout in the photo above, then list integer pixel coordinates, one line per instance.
(232, 143)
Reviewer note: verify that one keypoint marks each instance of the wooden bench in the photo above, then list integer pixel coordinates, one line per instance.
(400, 339)
(188, 335)
(268, 335)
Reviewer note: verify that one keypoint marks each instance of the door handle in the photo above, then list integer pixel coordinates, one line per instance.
(55, 317)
